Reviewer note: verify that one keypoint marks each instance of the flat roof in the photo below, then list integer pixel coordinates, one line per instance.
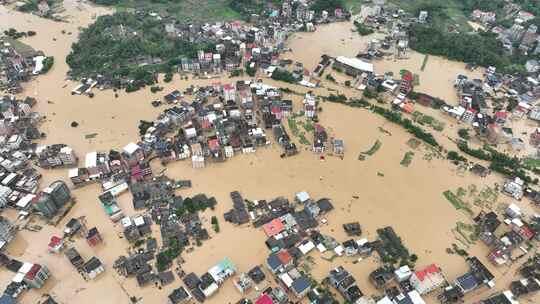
(131, 148)
(356, 63)
(90, 159)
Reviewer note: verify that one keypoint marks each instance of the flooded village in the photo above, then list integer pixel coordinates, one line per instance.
(295, 161)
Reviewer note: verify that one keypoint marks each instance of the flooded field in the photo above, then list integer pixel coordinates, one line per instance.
(407, 198)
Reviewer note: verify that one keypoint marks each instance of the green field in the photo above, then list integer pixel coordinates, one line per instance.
(186, 10)
(457, 202)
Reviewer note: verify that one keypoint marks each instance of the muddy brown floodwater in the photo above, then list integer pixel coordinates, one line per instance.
(408, 199)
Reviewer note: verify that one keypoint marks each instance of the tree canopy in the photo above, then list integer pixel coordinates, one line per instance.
(120, 45)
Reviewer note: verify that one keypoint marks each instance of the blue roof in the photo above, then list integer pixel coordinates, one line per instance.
(300, 285)
(467, 282)
(273, 261)
(5, 299)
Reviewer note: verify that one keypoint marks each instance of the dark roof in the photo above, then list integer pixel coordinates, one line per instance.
(206, 280)
(497, 299)
(92, 264)
(479, 270)
(467, 282)
(92, 232)
(166, 277)
(145, 278)
(257, 274)
(191, 280)
(325, 205)
(300, 285)
(178, 295)
(304, 220)
(338, 274)
(354, 293)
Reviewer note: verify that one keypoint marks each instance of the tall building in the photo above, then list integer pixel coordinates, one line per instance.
(59, 192)
(44, 204)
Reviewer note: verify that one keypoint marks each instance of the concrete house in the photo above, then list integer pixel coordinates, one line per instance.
(427, 279)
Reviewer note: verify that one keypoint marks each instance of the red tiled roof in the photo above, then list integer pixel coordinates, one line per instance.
(285, 257)
(274, 227)
(55, 241)
(431, 269)
(33, 271)
(407, 77)
(501, 114)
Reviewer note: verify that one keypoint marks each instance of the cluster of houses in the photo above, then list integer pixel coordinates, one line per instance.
(19, 180)
(507, 242)
(18, 130)
(521, 35)
(221, 121)
(26, 276)
(490, 105)
(90, 269)
(238, 45)
(206, 285)
(17, 64)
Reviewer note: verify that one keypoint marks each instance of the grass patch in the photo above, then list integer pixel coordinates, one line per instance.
(407, 159)
(189, 10)
(376, 146)
(295, 130)
(303, 140)
(427, 120)
(293, 126)
(457, 202)
(531, 163)
(424, 62)
(414, 143)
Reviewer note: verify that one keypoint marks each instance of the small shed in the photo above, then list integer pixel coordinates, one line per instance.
(93, 238)
(56, 244)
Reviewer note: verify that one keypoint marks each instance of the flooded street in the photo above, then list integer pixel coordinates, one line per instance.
(407, 198)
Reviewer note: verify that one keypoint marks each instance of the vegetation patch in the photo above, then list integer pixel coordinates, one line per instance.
(215, 223)
(457, 202)
(424, 62)
(392, 250)
(407, 159)
(283, 75)
(362, 29)
(376, 146)
(427, 120)
(126, 46)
